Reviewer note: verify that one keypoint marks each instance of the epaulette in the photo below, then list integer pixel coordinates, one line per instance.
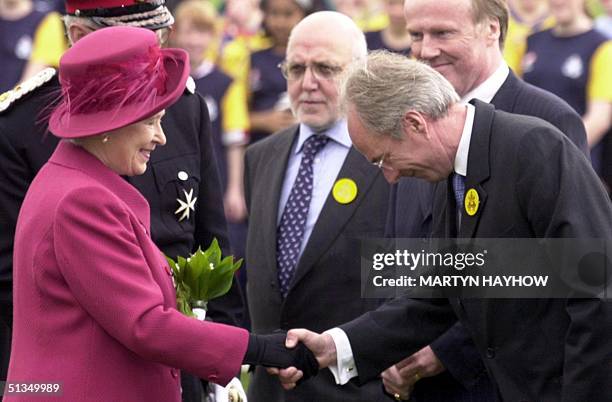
(24, 88)
(190, 85)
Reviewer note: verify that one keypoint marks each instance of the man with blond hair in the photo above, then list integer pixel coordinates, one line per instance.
(463, 41)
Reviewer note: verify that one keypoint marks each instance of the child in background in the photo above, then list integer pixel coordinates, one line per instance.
(195, 31)
(526, 17)
(394, 37)
(240, 36)
(269, 109)
(19, 22)
(572, 60)
(603, 23)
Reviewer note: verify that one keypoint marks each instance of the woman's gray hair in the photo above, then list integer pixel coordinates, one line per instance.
(71, 19)
(384, 86)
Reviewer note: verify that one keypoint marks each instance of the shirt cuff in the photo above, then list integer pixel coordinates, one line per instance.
(345, 368)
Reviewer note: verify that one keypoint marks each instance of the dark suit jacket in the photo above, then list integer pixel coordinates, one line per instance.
(532, 182)
(410, 215)
(25, 145)
(326, 288)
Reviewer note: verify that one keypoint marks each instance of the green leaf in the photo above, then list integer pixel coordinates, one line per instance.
(203, 276)
(204, 279)
(214, 253)
(221, 282)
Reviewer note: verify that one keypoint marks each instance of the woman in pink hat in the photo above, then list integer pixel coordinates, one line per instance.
(95, 307)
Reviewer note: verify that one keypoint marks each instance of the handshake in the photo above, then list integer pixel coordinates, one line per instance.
(270, 351)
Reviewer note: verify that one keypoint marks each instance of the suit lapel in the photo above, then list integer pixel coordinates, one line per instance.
(334, 216)
(442, 226)
(505, 97)
(273, 174)
(478, 166)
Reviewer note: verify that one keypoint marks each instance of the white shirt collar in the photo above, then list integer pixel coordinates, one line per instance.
(202, 70)
(337, 132)
(487, 90)
(461, 159)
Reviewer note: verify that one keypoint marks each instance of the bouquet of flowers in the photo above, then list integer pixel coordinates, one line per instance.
(201, 277)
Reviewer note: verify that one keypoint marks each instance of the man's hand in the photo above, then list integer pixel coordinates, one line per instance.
(397, 385)
(400, 379)
(321, 345)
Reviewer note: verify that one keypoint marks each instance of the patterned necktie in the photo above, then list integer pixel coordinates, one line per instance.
(291, 229)
(459, 189)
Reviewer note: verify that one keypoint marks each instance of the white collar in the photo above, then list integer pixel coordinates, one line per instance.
(337, 132)
(487, 90)
(461, 158)
(202, 70)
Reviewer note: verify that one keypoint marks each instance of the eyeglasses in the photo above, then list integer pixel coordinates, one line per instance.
(380, 163)
(296, 71)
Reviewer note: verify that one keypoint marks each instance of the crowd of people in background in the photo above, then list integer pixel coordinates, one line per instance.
(236, 46)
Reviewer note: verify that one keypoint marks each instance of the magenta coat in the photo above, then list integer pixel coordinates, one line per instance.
(94, 301)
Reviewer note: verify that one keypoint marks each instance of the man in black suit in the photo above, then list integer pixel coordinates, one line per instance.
(345, 199)
(185, 169)
(462, 40)
(531, 181)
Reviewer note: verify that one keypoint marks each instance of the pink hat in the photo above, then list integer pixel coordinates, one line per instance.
(114, 77)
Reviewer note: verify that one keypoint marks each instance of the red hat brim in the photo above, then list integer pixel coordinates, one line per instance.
(176, 62)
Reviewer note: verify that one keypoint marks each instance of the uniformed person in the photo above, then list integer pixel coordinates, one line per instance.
(182, 184)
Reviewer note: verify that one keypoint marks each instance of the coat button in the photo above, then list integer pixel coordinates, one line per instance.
(174, 373)
(490, 353)
(182, 175)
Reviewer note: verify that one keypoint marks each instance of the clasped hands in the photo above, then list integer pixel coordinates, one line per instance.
(319, 351)
(294, 356)
(270, 351)
(303, 353)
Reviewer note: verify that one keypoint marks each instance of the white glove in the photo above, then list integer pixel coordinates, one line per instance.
(232, 392)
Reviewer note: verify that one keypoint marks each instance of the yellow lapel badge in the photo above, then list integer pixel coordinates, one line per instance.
(344, 191)
(471, 202)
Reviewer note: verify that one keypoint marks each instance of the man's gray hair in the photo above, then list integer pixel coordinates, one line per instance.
(386, 85)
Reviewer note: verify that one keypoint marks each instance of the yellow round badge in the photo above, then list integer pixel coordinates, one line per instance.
(471, 202)
(344, 191)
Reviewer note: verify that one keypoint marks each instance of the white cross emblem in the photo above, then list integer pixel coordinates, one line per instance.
(187, 205)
